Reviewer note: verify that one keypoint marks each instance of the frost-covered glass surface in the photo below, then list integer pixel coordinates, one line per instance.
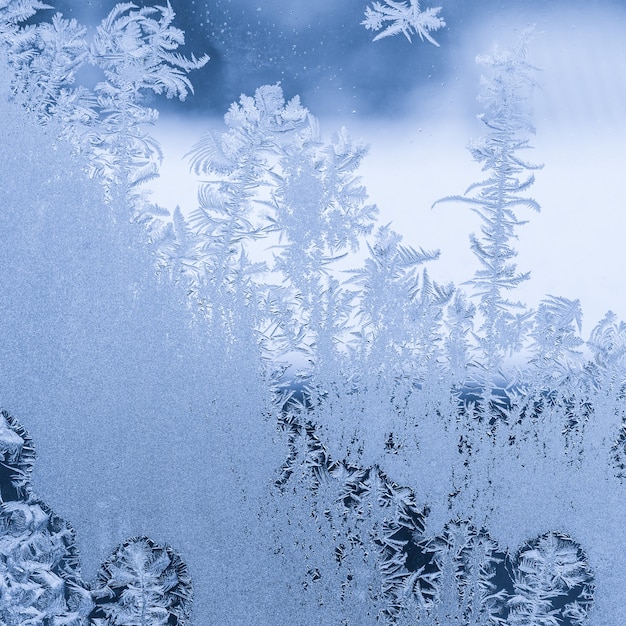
(258, 369)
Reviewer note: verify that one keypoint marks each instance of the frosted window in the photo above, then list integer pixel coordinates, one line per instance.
(287, 351)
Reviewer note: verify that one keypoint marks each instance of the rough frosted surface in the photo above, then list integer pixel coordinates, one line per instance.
(142, 425)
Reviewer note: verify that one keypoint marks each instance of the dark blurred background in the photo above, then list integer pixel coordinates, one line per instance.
(318, 49)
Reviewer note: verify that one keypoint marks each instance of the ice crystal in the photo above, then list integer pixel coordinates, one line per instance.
(406, 18)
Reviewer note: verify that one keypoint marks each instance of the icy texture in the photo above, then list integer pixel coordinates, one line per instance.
(149, 419)
(142, 584)
(133, 50)
(322, 446)
(408, 19)
(272, 174)
(498, 198)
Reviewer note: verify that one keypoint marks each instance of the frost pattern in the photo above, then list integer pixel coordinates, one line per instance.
(142, 584)
(551, 583)
(271, 176)
(18, 456)
(410, 441)
(508, 123)
(408, 19)
(460, 576)
(135, 48)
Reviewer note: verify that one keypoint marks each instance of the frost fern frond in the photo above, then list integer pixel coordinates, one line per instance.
(13, 12)
(495, 200)
(144, 583)
(406, 19)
